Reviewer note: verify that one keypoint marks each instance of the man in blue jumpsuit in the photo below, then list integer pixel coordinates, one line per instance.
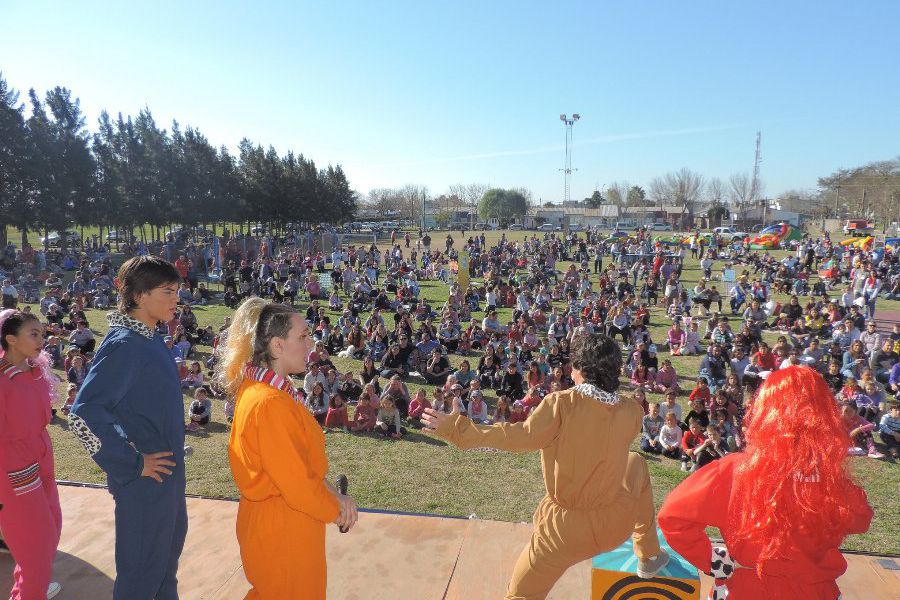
(129, 416)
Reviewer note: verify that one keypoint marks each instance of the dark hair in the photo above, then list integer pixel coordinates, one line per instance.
(12, 324)
(599, 358)
(141, 275)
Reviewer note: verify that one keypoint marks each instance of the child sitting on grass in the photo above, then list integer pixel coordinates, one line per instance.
(503, 412)
(691, 441)
(337, 413)
(417, 407)
(889, 429)
(71, 392)
(671, 406)
(650, 428)
(199, 411)
(670, 436)
(698, 411)
(364, 416)
(713, 448)
(387, 420)
(701, 392)
(860, 432)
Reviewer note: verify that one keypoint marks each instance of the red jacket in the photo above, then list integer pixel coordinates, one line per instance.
(705, 499)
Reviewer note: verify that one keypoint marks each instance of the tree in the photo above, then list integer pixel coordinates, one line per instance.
(617, 193)
(16, 183)
(871, 191)
(636, 196)
(63, 166)
(504, 205)
(740, 194)
(595, 200)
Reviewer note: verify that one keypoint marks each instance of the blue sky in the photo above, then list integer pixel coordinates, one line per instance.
(437, 93)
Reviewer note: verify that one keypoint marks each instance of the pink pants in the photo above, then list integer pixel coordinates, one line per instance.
(31, 525)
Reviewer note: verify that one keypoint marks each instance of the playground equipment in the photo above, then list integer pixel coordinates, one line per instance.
(863, 243)
(773, 236)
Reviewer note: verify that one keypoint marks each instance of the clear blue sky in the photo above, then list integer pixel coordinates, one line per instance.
(437, 93)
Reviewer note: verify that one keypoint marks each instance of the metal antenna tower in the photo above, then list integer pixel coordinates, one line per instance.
(568, 169)
(754, 183)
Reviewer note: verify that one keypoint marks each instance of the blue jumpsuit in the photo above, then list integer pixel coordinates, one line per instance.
(130, 404)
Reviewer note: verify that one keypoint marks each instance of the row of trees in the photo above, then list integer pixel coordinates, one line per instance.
(55, 173)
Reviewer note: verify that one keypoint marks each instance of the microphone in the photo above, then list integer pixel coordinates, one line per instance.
(342, 484)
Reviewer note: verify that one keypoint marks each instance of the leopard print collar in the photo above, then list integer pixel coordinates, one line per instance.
(592, 391)
(117, 319)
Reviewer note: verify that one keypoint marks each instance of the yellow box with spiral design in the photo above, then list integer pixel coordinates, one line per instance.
(614, 577)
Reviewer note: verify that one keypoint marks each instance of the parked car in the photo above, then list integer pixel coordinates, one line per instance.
(53, 239)
(729, 233)
(547, 227)
(119, 236)
(516, 227)
(661, 227)
(576, 227)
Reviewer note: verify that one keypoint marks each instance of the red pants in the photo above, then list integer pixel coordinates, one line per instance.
(31, 524)
(337, 417)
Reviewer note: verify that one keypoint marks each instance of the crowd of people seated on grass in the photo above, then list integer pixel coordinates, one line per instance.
(366, 304)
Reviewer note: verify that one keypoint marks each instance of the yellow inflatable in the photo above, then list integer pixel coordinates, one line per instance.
(862, 243)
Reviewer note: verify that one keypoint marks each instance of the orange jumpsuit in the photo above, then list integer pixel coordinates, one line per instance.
(598, 493)
(277, 456)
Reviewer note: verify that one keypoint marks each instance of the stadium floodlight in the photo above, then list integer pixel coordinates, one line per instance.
(562, 117)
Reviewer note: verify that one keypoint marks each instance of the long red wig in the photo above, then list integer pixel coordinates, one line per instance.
(793, 481)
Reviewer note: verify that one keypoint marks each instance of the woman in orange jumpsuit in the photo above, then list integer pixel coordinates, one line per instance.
(277, 456)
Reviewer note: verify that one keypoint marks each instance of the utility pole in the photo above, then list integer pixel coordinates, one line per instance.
(837, 198)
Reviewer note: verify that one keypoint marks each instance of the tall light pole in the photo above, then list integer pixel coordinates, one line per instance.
(568, 169)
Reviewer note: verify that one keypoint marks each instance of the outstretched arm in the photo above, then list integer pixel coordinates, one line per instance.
(536, 432)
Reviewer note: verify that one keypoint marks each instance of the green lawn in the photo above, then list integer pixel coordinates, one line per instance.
(421, 474)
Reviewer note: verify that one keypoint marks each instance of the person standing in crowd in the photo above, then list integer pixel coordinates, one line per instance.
(30, 515)
(129, 415)
(277, 455)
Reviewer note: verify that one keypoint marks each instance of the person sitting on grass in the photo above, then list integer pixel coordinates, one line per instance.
(387, 420)
(337, 413)
(666, 378)
(399, 393)
(364, 416)
(889, 430)
(713, 448)
(317, 402)
(417, 407)
(477, 408)
(670, 435)
(698, 411)
(692, 439)
(860, 432)
(200, 410)
(650, 428)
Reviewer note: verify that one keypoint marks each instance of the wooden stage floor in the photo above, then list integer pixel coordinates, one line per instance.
(416, 557)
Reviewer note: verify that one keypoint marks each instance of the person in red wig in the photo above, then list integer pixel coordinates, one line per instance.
(783, 506)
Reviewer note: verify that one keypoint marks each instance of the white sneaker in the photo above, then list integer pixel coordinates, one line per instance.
(684, 467)
(856, 451)
(647, 568)
(875, 454)
(52, 590)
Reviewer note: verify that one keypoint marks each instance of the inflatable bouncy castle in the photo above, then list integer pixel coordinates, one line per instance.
(773, 236)
(863, 243)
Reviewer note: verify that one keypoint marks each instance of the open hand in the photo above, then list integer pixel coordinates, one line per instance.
(155, 465)
(432, 420)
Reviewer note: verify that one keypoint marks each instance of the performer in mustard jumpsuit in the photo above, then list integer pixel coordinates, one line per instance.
(277, 456)
(597, 492)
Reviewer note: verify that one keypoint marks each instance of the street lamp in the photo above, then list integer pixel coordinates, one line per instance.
(568, 168)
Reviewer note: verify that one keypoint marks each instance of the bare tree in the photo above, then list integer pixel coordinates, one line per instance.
(617, 193)
(412, 195)
(715, 191)
(740, 194)
(659, 192)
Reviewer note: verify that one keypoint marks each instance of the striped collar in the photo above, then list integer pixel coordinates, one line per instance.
(269, 377)
(117, 319)
(9, 369)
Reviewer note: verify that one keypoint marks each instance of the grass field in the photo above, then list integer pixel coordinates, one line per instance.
(422, 474)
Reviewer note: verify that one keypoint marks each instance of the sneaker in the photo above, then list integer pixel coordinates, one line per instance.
(873, 453)
(52, 590)
(647, 568)
(685, 467)
(856, 451)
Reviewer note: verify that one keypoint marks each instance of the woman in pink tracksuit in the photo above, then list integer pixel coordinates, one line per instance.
(30, 518)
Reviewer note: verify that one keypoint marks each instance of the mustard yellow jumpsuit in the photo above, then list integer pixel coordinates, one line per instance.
(277, 456)
(598, 493)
